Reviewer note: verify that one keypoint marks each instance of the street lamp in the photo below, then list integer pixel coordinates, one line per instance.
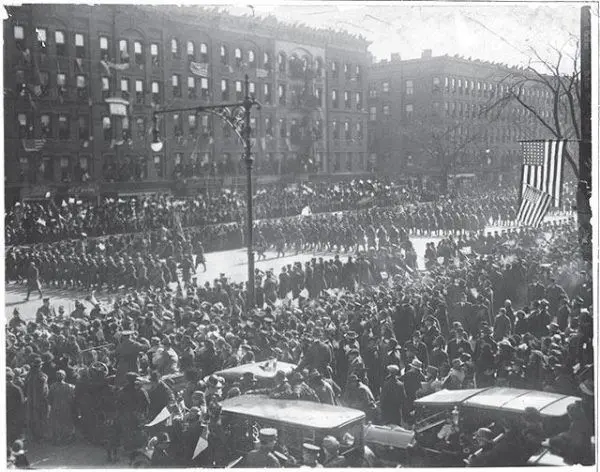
(237, 116)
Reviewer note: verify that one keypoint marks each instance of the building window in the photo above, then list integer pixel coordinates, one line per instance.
(154, 55)
(267, 93)
(61, 44)
(203, 52)
(319, 96)
(358, 73)
(359, 131)
(19, 33)
(239, 93)
(175, 49)
(267, 61)
(83, 128)
(191, 51)
(61, 84)
(409, 87)
(140, 126)
(386, 110)
(20, 81)
(46, 126)
(175, 82)
(64, 131)
(372, 113)
(251, 58)
(224, 89)
(81, 87)
(65, 169)
(349, 162)
(47, 168)
(204, 88)
(224, 55)
(192, 123)
(125, 89)
(138, 51)
(237, 54)
(335, 129)
(79, 45)
(104, 47)
(335, 73)
(281, 62)
(107, 128)
(42, 39)
(124, 51)
(347, 100)
(453, 84)
(25, 128)
(281, 93)
(334, 99)
(191, 86)
(347, 69)
(139, 92)
(282, 128)
(158, 167)
(347, 131)
(385, 87)
(409, 111)
(44, 82)
(268, 127)
(359, 104)
(177, 127)
(436, 84)
(105, 87)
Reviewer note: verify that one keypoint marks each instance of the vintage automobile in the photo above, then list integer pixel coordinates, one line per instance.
(296, 421)
(264, 372)
(462, 412)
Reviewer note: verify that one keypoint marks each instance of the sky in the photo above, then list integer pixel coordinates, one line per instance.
(497, 32)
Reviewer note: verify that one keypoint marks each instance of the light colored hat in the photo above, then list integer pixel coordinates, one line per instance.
(416, 363)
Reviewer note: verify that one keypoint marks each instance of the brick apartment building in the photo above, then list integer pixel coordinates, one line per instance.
(413, 103)
(61, 63)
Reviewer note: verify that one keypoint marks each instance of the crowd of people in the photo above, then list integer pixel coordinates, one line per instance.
(366, 329)
(47, 221)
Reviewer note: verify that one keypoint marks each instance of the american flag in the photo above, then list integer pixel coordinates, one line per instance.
(33, 145)
(534, 206)
(542, 167)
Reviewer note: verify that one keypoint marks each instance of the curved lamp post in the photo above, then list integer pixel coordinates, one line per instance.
(237, 116)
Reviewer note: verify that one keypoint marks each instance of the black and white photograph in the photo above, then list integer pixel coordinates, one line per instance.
(305, 234)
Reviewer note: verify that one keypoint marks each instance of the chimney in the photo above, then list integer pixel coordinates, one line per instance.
(396, 57)
(426, 54)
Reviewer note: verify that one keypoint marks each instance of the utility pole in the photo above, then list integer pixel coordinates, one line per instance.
(584, 187)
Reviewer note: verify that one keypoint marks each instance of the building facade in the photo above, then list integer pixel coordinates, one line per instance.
(434, 112)
(65, 63)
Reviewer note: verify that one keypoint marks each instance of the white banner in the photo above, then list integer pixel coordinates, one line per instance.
(199, 69)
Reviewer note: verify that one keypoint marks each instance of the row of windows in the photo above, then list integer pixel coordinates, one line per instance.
(69, 169)
(463, 86)
(295, 65)
(335, 99)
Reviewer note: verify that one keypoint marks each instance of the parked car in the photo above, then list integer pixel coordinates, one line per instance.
(447, 420)
(296, 421)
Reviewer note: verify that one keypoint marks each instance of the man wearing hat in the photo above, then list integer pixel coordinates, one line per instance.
(456, 376)
(393, 397)
(18, 457)
(563, 314)
(310, 455)
(331, 448)
(412, 379)
(36, 391)
(15, 408)
(33, 280)
(263, 456)
(502, 325)
(127, 355)
(300, 390)
(359, 396)
(16, 322)
(133, 405)
(323, 389)
(485, 455)
(160, 456)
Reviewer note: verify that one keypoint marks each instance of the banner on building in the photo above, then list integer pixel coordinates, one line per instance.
(118, 106)
(262, 73)
(33, 145)
(107, 65)
(199, 69)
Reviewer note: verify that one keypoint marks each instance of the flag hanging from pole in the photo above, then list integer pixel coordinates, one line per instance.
(534, 206)
(542, 167)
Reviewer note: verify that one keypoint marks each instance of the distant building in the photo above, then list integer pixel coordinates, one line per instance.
(62, 62)
(421, 108)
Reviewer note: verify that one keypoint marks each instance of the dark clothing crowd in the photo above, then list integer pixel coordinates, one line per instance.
(368, 330)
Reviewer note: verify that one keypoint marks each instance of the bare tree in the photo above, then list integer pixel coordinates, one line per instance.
(548, 96)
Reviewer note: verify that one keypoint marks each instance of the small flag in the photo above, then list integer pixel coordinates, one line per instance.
(534, 206)
(306, 211)
(79, 64)
(41, 222)
(202, 443)
(71, 201)
(199, 69)
(542, 167)
(33, 145)
(162, 416)
(104, 64)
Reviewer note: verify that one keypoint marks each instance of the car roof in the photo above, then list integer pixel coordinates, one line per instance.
(262, 370)
(296, 412)
(500, 398)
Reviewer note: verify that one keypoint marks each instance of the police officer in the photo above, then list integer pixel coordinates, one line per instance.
(331, 448)
(310, 455)
(263, 456)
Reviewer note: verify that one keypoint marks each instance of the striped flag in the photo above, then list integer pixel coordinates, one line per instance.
(33, 145)
(534, 206)
(542, 167)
